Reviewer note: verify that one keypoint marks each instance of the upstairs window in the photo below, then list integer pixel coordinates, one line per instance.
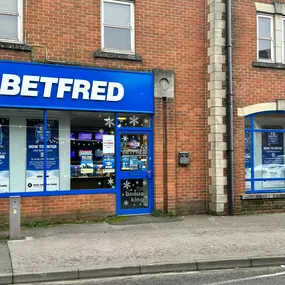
(11, 20)
(265, 38)
(117, 31)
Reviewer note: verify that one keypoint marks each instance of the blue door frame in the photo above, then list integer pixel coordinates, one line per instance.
(147, 174)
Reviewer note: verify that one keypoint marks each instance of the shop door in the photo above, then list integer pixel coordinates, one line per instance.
(135, 172)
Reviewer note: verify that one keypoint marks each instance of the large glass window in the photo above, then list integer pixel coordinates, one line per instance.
(264, 153)
(56, 150)
(86, 149)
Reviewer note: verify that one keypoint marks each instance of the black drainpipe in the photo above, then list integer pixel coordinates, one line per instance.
(230, 147)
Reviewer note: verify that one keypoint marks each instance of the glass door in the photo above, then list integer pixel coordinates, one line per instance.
(135, 172)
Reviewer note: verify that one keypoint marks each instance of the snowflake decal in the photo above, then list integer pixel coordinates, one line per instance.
(125, 138)
(134, 120)
(145, 121)
(137, 182)
(99, 183)
(109, 122)
(145, 137)
(127, 184)
(126, 203)
(110, 181)
(101, 131)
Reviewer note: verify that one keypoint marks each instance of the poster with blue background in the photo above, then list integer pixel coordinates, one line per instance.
(4, 155)
(272, 157)
(35, 155)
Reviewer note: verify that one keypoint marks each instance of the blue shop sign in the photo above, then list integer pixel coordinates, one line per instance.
(33, 85)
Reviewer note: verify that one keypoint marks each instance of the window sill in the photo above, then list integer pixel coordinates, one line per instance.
(15, 46)
(262, 196)
(268, 65)
(122, 56)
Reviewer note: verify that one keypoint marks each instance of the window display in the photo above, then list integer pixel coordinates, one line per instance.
(266, 135)
(134, 150)
(92, 146)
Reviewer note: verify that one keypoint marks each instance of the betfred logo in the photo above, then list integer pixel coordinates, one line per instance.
(29, 86)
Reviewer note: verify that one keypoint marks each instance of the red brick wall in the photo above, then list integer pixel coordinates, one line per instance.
(64, 208)
(252, 85)
(169, 35)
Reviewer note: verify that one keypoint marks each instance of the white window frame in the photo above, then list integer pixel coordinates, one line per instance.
(132, 28)
(271, 39)
(20, 24)
(283, 39)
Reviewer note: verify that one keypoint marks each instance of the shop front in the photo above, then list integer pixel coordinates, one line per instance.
(68, 130)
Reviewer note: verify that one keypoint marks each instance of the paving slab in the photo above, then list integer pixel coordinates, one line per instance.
(5, 260)
(77, 247)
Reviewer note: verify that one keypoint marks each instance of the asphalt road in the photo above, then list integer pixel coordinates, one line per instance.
(252, 276)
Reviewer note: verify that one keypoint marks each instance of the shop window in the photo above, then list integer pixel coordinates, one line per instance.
(11, 20)
(87, 150)
(117, 31)
(265, 37)
(264, 153)
(56, 151)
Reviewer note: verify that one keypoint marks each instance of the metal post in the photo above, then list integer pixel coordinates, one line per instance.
(15, 217)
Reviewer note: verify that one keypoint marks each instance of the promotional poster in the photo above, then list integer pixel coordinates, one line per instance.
(272, 158)
(4, 155)
(108, 163)
(35, 155)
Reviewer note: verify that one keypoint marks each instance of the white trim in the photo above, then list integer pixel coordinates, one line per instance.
(131, 28)
(271, 38)
(256, 108)
(20, 19)
(264, 8)
(283, 39)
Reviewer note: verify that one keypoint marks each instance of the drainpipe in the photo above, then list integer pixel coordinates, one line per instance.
(230, 153)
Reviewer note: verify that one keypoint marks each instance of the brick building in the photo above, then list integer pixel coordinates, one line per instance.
(106, 94)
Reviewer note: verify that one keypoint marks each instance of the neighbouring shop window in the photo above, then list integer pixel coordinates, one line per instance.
(264, 153)
(11, 20)
(117, 29)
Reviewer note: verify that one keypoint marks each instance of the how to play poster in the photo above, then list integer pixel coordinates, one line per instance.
(35, 155)
(4, 155)
(272, 158)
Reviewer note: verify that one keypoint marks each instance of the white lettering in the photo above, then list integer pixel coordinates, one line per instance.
(81, 86)
(49, 81)
(111, 90)
(10, 84)
(28, 84)
(95, 90)
(98, 87)
(62, 87)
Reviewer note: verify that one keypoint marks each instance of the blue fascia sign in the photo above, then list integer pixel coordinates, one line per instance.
(46, 86)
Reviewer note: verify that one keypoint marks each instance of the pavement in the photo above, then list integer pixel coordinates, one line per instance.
(143, 245)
